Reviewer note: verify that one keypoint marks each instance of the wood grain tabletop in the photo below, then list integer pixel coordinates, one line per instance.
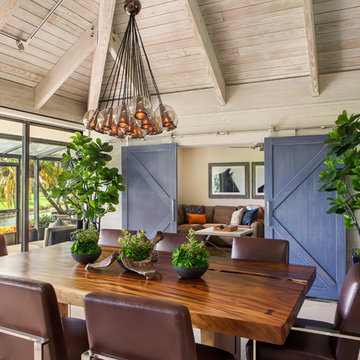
(249, 305)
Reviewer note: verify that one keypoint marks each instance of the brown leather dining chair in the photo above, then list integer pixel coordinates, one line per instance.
(301, 345)
(130, 327)
(3, 247)
(260, 249)
(30, 323)
(172, 241)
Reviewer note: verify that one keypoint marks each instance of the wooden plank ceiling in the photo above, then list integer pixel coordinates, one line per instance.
(253, 41)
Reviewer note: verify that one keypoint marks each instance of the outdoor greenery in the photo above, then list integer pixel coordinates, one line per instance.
(135, 247)
(191, 254)
(7, 229)
(48, 174)
(86, 241)
(343, 169)
(86, 184)
(44, 220)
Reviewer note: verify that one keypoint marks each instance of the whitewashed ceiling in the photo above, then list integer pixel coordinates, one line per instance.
(254, 41)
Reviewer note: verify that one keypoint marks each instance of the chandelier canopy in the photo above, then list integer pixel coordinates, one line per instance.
(125, 107)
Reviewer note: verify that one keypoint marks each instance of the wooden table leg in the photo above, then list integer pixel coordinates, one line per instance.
(64, 309)
(207, 337)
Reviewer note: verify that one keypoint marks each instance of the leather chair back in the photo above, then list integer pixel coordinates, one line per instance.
(31, 307)
(109, 237)
(347, 316)
(138, 328)
(172, 241)
(260, 249)
(3, 247)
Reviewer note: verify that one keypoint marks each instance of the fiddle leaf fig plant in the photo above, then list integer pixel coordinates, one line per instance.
(87, 185)
(342, 174)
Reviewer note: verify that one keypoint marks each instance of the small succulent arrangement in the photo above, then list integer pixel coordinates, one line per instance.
(190, 259)
(135, 247)
(86, 241)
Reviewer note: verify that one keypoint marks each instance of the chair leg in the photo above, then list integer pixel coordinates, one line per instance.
(254, 349)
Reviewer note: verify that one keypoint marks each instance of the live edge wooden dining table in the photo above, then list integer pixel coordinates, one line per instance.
(255, 300)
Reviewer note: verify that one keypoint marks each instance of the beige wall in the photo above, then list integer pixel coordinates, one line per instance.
(193, 173)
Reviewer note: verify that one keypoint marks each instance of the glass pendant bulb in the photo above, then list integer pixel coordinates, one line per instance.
(90, 119)
(107, 114)
(138, 132)
(167, 117)
(140, 106)
(100, 121)
(130, 129)
(124, 116)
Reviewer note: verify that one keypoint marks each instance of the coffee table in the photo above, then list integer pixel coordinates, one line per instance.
(211, 232)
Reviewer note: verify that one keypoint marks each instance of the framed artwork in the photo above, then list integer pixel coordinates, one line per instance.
(258, 180)
(229, 180)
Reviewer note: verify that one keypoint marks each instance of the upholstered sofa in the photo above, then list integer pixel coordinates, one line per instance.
(220, 215)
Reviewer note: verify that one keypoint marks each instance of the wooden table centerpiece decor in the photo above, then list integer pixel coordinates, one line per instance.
(136, 254)
(190, 259)
(226, 228)
(85, 248)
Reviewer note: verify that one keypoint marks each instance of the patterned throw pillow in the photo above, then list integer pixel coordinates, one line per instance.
(192, 210)
(196, 218)
(249, 216)
(236, 217)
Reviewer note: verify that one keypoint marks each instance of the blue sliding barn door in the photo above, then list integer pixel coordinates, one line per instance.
(150, 175)
(296, 210)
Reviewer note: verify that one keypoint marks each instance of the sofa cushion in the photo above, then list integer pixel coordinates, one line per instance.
(196, 218)
(249, 216)
(236, 217)
(209, 211)
(222, 214)
(192, 210)
(184, 228)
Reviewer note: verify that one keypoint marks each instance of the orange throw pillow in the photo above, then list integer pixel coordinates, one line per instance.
(196, 218)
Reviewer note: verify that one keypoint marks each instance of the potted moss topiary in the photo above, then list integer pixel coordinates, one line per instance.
(137, 253)
(85, 248)
(190, 259)
(134, 247)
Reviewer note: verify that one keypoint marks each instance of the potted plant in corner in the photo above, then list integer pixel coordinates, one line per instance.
(85, 248)
(342, 174)
(87, 185)
(190, 259)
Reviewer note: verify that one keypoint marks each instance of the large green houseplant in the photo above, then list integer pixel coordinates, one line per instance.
(87, 185)
(342, 174)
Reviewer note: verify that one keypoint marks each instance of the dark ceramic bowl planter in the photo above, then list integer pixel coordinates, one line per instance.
(355, 257)
(86, 258)
(190, 273)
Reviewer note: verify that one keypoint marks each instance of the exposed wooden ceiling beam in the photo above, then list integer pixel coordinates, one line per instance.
(206, 48)
(311, 45)
(114, 44)
(7, 7)
(106, 14)
(82, 48)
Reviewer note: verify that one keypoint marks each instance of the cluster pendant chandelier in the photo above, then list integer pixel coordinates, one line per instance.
(125, 107)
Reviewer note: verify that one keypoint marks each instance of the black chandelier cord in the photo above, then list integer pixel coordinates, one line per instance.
(119, 58)
(129, 62)
(148, 63)
(114, 66)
